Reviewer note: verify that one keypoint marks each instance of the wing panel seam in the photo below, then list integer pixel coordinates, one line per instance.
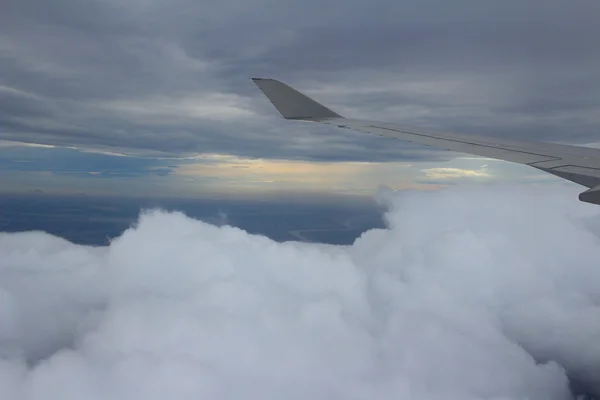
(550, 158)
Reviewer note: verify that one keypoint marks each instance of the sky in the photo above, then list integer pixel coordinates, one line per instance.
(147, 97)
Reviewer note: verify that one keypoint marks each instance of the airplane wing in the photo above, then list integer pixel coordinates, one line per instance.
(574, 163)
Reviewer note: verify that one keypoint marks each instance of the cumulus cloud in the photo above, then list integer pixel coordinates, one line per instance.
(468, 294)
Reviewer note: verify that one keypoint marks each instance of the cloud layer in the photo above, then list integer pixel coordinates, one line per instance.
(174, 77)
(469, 294)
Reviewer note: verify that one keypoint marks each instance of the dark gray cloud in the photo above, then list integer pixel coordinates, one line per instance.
(174, 76)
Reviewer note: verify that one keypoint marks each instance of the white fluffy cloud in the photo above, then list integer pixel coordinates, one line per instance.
(470, 294)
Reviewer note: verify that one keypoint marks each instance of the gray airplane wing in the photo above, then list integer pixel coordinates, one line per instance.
(574, 163)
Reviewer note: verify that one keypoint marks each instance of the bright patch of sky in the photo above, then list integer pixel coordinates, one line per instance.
(59, 170)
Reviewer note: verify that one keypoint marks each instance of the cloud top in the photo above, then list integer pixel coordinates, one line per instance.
(469, 294)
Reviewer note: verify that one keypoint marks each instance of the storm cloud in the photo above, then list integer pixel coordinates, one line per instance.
(174, 76)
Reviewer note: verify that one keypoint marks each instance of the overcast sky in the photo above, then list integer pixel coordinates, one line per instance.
(168, 84)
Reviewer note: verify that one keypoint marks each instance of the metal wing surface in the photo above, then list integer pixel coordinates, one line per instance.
(574, 163)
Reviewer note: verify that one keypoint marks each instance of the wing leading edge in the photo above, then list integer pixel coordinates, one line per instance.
(574, 163)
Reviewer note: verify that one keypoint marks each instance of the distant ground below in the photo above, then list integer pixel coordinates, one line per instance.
(95, 220)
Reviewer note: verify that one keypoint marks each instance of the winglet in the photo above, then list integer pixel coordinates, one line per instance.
(292, 104)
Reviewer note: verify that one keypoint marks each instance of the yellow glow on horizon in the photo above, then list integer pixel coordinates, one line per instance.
(262, 174)
(440, 173)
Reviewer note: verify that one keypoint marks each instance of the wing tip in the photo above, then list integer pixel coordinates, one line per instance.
(292, 104)
(263, 79)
